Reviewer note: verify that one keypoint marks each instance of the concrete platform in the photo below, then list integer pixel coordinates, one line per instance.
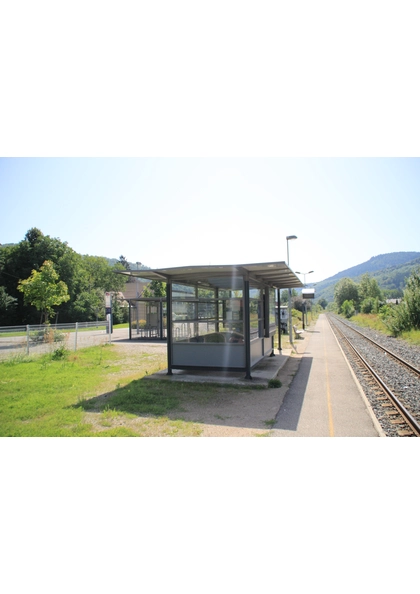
(325, 398)
(261, 374)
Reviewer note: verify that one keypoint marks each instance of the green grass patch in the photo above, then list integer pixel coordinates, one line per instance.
(370, 321)
(411, 336)
(48, 395)
(97, 392)
(374, 322)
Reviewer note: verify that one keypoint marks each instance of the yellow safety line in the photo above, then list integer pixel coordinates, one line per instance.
(330, 419)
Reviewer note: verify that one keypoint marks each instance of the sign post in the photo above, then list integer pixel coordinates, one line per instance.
(108, 312)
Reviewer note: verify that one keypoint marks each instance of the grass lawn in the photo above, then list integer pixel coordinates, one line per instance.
(374, 322)
(93, 392)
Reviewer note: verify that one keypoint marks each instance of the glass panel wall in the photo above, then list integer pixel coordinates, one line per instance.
(256, 313)
(272, 318)
(209, 314)
(148, 318)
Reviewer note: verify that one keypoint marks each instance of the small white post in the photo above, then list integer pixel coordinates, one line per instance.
(75, 337)
(27, 339)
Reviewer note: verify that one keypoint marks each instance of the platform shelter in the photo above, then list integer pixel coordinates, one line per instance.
(221, 317)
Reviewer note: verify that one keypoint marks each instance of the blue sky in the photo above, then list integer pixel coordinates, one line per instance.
(179, 211)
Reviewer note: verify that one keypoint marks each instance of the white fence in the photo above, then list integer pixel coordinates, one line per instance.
(43, 339)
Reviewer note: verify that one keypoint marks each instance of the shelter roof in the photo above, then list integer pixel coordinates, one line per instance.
(274, 274)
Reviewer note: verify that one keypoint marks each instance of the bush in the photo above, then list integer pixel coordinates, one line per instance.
(60, 353)
(347, 309)
(406, 315)
(369, 305)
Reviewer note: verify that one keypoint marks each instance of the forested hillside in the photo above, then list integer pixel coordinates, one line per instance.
(86, 279)
(390, 271)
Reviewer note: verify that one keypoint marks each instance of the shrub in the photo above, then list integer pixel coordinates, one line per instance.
(369, 305)
(60, 353)
(347, 308)
(406, 315)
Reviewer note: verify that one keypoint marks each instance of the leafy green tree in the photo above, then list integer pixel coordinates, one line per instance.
(322, 302)
(124, 263)
(29, 254)
(89, 305)
(347, 308)
(369, 288)
(411, 301)
(44, 290)
(346, 290)
(87, 278)
(7, 305)
(99, 274)
(406, 315)
(370, 305)
(155, 289)
(119, 309)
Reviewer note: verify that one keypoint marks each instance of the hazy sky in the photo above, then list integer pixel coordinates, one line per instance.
(201, 95)
(179, 211)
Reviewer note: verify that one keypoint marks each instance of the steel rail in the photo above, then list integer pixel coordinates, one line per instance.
(408, 418)
(395, 356)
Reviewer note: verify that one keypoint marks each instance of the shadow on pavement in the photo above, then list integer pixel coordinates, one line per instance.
(288, 416)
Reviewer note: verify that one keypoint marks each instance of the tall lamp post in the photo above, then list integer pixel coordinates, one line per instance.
(304, 282)
(289, 238)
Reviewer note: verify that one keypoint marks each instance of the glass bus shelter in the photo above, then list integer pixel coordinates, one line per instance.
(220, 317)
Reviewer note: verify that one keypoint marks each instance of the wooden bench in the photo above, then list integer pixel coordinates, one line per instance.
(297, 332)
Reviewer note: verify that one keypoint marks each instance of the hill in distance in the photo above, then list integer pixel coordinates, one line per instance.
(389, 270)
(133, 265)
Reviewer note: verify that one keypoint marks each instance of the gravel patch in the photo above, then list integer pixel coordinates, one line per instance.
(401, 381)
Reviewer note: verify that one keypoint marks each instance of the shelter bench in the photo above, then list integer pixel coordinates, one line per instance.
(297, 332)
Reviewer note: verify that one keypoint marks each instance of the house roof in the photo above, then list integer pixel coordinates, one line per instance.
(275, 274)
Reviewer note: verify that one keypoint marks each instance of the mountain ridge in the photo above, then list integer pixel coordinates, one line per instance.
(390, 271)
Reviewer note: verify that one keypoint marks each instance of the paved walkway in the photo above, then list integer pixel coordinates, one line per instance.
(324, 398)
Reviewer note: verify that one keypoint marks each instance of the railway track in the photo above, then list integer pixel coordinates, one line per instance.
(390, 382)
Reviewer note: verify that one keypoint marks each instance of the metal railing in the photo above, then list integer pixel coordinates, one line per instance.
(42, 339)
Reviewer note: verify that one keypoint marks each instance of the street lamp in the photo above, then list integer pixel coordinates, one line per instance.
(304, 275)
(304, 282)
(289, 238)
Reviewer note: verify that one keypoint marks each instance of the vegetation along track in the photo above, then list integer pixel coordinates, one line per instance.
(389, 372)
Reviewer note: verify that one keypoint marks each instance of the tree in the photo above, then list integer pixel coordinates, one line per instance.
(43, 289)
(346, 290)
(124, 263)
(155, 289)
(87, 278)
(411, 301)
(347, 308)
(369, 305)
(369, 288)
(406, 315)
(7, 305)
(323, 303)
(29, 254)
(89, 305)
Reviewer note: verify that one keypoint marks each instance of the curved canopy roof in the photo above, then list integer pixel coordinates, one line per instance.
(274, 274)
